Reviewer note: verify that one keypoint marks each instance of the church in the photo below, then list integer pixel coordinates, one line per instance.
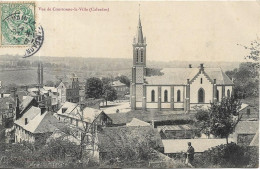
(176, 88)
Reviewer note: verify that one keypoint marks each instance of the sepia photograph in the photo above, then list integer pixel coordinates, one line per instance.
(129, 84)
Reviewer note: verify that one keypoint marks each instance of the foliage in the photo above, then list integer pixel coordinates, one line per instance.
(109, 93)
(246, 80)
(123, 79)
(94, 88)
(219, 118)
(226, 156)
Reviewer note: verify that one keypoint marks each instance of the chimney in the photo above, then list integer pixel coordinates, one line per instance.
(17, 109)
(188, 81)
(201, 66)
(117, 110)
(152, 122)
(26, 121)
(215, 81)
(13, 92)
(190, 66)
(43, 109)
(41, 75)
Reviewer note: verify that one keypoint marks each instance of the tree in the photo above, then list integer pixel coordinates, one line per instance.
(109, 93)
(246, 80)
(124, 79)
(94, 88)
(221, 118)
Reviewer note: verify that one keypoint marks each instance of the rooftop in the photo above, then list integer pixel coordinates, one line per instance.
(37, 122)
(180, 75)
(148, 116)
(118, 83)
(247, 127)
(73, 110)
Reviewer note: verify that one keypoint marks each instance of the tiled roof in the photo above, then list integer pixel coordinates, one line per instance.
(37, 122)
(179, 76)
(247, 127)
(148, 116)
(199, 145)
(111, 138)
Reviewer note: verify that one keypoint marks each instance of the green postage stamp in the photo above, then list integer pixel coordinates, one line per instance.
(17, 23)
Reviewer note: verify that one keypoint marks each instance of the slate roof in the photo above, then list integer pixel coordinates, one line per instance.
(37, 122)
(179, 76)
(247, 127)
(148, 116)
(181, 145)
(111, 138)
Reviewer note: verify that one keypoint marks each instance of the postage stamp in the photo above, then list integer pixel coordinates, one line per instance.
(17, 23)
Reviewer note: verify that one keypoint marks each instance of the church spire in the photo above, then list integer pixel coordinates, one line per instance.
(140, 38)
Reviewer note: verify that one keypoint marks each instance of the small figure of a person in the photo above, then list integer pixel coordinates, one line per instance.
(190, 155)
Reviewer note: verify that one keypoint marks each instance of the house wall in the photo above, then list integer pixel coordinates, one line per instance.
(23, 135)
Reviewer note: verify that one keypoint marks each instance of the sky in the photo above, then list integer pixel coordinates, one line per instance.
(174, 30)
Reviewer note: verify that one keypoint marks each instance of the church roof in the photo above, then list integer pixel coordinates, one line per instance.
(179, 76)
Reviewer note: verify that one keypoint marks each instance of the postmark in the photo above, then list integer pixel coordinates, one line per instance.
(36, 42)
(17, 23)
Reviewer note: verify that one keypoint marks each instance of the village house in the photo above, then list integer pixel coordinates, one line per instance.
(86, 116)
(175, 88)
(53, 93)
(68, 90)
(245, 131)
(7, 111)
(120, 88)
(36, 124)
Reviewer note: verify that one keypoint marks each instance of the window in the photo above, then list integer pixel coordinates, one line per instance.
(201, 80)
(228, 93)
(178, 96)
(165, 96)
(153, 96)
(10, 106)
(201, 95)
(217, 95)
(142, 56)
(136, 55)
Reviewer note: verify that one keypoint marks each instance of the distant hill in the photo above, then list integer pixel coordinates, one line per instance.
(15, 69)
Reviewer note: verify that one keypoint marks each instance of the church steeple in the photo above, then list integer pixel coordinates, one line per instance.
(140, 38)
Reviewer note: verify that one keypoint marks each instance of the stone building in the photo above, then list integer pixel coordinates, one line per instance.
(174, 88)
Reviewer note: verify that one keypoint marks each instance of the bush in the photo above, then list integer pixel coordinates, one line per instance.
(228, 156)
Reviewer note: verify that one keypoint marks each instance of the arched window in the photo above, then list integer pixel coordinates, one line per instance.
(201, 95)
(165, 96)
(228, 93)
(137, 55)
(142, 56)
(201, 80)
(178, 96)
(153, 96)
(217, 95)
